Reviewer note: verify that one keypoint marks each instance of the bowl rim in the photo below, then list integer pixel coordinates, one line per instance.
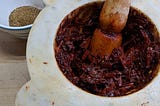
(16, 28)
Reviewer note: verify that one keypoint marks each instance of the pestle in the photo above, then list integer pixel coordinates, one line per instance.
(113, 18)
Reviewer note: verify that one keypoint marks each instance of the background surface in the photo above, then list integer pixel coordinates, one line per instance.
(13, 68)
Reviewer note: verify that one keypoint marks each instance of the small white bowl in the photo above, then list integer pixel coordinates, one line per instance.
(7, 6)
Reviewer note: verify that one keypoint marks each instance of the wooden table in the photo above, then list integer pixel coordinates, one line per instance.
(13, 68)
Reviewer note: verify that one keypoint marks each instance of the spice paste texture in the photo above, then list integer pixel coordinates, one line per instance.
(128, 69)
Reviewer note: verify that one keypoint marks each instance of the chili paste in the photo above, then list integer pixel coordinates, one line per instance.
(128, 69)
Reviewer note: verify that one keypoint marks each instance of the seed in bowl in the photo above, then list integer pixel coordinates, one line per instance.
(22, 16)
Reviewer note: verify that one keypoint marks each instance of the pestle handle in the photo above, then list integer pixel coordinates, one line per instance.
(113, 18)
(114, 15)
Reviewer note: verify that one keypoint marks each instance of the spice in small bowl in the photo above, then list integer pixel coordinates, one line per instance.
(22, 16)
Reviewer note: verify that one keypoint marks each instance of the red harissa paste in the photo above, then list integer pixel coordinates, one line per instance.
(128, 69)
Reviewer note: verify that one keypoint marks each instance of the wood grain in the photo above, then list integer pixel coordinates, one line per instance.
(13, 68)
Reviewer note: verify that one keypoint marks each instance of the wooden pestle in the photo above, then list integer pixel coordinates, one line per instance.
(113, 18)
(114, 15)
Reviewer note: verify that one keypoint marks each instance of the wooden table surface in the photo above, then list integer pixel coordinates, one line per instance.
(13, 68)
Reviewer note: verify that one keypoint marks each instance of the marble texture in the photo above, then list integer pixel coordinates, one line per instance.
(49, 87)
